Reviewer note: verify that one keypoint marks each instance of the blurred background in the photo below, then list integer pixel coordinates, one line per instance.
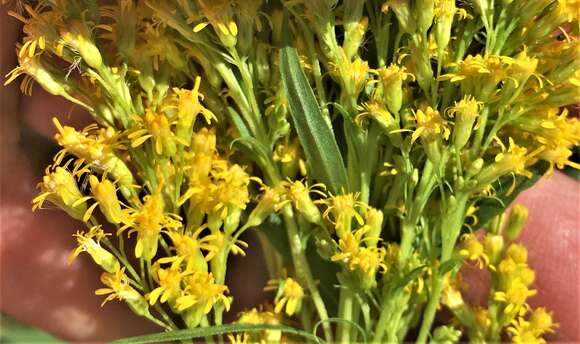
(40, 291)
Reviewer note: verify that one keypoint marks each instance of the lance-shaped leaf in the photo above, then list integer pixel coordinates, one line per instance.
(316, 136)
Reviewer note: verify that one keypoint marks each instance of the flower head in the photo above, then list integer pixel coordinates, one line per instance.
(465, 112)
(199, 296)
(169, 280)
(120, 288)
(148, 221)
(472, 249)
(341, 210)
(60, 188)
(90, 242)
(289, 293)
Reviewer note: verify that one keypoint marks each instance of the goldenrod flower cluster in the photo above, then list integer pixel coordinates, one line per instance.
(359, 139)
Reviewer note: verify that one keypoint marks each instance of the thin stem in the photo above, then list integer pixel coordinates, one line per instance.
(345, 309)
(165, 316)
(303, 269)
(384, 318)
(431, 309)
(450, 227)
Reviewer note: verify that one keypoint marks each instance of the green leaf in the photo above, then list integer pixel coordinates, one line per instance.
(407, 278)
(203, 332)
(449, 265)
(238, 123)
(316, 136)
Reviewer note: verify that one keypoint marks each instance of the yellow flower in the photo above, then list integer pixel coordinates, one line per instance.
(96, 148)
(188, 105)
(147, 222)
(119, 288)
(473, 250)
(299, 194)
(514, 297)
(392, 78)
(514, 160)
(272, 200)
(90, 242)
(356, 257)
(541, 321)
(169, 280)
(60, 188)
(200, 294)
(451, 295)
(76, 36)
(518, 253)
(289, 294)
(379, 113)
(343, 208)
(217, 188)
(256, 317)
(521, 68)
(521, 332)
(190, 246)
(465, 112)
(352, 74)
(430, 125)
(35, 70)
(220, 15)
(105, 193)
(38, 27)
(479, 75)
(482, 317)
(157, 128)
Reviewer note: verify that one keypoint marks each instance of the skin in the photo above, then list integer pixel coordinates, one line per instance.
(39, 287)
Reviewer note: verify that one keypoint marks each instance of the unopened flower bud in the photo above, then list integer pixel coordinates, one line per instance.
(354, 37)
(444, 14)
(475, 167)
(516, 222)
(77, 37)
(374, 221)
(423, 13)
(232, 221)
(403, 12)
(493, 245)
(106, 195)
(446, 335)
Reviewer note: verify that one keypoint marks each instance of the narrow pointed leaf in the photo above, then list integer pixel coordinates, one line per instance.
(316, 136)
(213, 331)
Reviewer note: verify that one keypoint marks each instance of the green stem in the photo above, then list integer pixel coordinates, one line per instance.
(345, 309)
(431, 309)
(423, 192)
(303, 269)
(205, 323)
(450, 227)
(383, 319)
